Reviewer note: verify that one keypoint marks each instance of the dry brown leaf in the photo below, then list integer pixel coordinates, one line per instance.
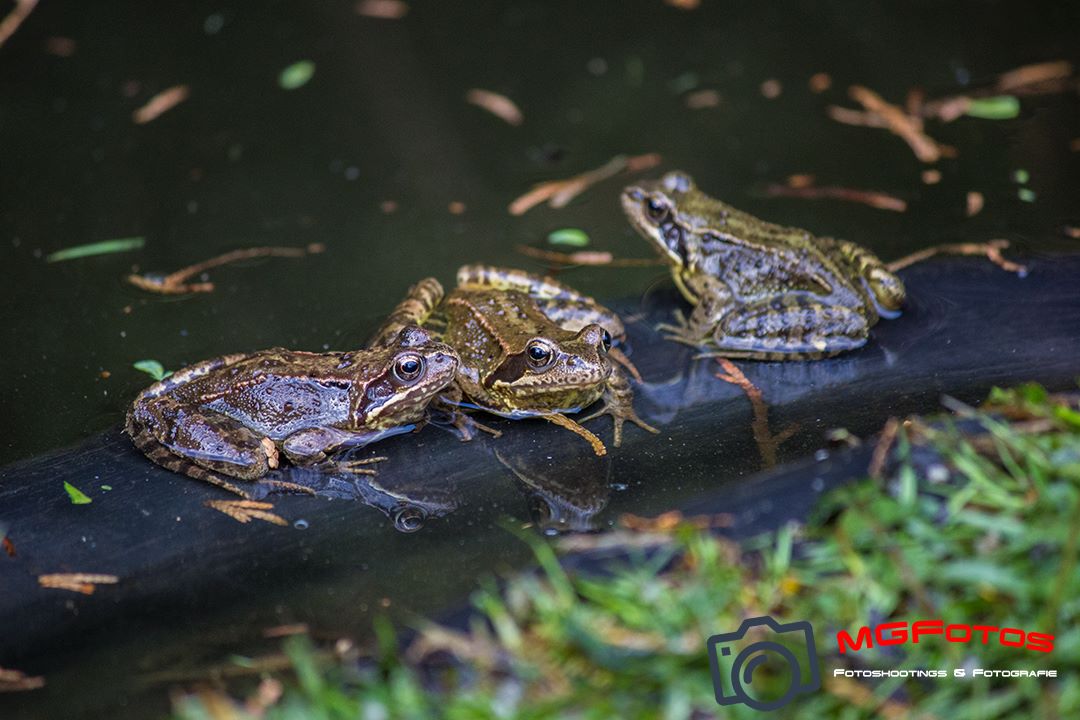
(84, 583)
(820, 82)
(160, 103)
(1072, 231)
(931, 176)
(17, 681)
(382, 9)
(975, 202)
(245, 511)
(498, 105)
(702, 99)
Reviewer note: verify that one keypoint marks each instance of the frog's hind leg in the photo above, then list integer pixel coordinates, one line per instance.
(788, 328)
(419, 303)
(206, 446)
(563, 421)
(883, 287)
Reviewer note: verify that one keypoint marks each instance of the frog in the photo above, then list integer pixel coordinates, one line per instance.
(530, 347)
(759, 290)
(234, 417)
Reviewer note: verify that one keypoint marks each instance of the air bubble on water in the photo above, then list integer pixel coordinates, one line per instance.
(409, 520)
(821, 455)
(301, 524)
(618, 486)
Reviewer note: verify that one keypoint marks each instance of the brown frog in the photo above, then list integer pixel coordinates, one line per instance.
(529, 347)
(233, 416)
(760, 290)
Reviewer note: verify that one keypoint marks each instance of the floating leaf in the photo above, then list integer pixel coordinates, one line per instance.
(152, 368)
(78, 497)
(296, 75)
(571, 237)
(1026, 194)
(1002, 107)
(104, 247)
(1020, 176)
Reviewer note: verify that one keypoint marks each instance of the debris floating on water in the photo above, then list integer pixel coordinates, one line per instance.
(820, 82)
(104, 247)
(771, 89)
(498, 105)
(160, 103)
(152, 368)
(60, 46)
(975, 203)
(296, 75)
(572, 237)
(16, 681)
(702, 99)
(382, 9)
(899, 123)
(873, 198)
(931, 176)
(558, 193)
(1000, 107)
(15, 18)
(84, 583)
(78, 497)
(244, 511)
(176, 283)
(991, 250)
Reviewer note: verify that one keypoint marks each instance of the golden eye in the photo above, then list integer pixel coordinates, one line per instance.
(539, 354)
(656, 210)
(408, 368)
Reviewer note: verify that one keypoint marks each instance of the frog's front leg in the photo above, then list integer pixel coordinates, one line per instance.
(314, 446)
(790, 327)
(415, 309)
(713, 305)
(618, 402)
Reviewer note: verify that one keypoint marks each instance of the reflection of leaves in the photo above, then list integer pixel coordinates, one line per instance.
(78, 497)
(152, 368)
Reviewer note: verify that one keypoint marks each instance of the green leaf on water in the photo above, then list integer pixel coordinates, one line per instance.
(78, 497)
(296, 75)
(569, 236)
(98, 248)
(1026, 194)
(1020, 176)
(1001, 107)
(152, 368)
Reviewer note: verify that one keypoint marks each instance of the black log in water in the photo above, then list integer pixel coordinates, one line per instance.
(195, 584)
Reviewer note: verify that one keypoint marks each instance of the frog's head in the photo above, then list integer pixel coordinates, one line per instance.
(405, 376)
(556, 371)
(663, 212)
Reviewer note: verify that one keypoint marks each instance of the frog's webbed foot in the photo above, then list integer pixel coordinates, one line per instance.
(618, 403)
(563, 421)
(448, 407)
(466, 425)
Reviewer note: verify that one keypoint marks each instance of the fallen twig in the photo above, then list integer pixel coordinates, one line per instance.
(586, 257)
(899, 122)
(500, 106)
(84, 583)
(991, 249)
(881, 450)
(175, 283)
(873, 198)
(17, 681)
(15, 18)
(558, 193)
(160, 103)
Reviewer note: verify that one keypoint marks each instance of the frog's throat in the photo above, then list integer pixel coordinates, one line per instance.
(691, 298)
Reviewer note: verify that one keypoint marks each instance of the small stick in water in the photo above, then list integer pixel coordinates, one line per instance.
(176, 283)
(991, 250)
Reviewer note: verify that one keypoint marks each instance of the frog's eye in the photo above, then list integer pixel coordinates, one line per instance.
(605, 340)
(408, 368)
(539, 354)
(656, 209)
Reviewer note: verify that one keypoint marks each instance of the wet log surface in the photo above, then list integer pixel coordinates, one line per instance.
(195, 585)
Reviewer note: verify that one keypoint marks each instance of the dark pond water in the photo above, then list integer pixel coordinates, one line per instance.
(246, 163)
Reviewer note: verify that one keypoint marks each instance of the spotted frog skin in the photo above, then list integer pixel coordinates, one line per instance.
(760, 290)
(232, 417)
(529, 347)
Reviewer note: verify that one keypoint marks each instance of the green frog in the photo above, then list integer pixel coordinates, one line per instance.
(760, 290)
(233, 417)
(529, 346)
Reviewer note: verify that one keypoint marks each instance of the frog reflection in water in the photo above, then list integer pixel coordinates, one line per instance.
(760, 290)
(529, 347)
(231, 417)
